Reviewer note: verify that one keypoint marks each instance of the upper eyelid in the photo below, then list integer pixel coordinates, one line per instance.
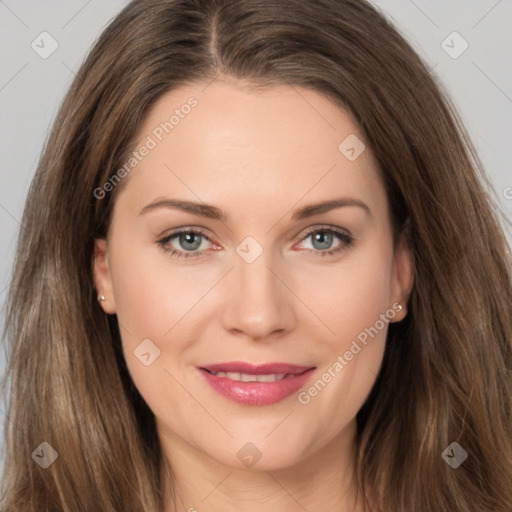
(179, 231)
(325, 227)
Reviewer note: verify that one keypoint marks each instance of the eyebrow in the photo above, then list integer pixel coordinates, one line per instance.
(326, 206)
(212, 212)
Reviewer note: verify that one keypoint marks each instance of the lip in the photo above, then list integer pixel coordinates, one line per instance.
(256, 393)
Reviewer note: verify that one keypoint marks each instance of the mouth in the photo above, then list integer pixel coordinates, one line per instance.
(248, 384)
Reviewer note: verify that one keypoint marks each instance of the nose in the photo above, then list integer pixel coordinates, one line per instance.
(259, 305)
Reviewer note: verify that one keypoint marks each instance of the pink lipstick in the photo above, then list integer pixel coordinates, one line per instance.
(265, 384)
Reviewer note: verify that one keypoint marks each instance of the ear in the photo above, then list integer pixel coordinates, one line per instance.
(402, 277)
(102, 276)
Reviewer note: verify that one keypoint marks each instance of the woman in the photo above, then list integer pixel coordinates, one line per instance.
(258, 268)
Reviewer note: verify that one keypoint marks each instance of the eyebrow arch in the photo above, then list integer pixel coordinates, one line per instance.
(212, 212)
(326, 206)
(201, 209)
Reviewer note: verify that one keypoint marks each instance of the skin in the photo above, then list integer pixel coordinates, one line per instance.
(258, 156)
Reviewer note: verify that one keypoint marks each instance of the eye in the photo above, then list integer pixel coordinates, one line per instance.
(186, 243)
(323, 238)
(192, 243)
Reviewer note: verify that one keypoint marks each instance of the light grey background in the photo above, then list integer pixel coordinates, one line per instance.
(479, 81)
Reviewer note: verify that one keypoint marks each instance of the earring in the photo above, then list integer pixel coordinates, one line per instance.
(101, 298)
(400, 307)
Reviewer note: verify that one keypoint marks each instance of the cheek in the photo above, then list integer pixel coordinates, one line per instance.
(152, 294)
(161, 301)
(351, 296)
(150, 301)
(354, 298)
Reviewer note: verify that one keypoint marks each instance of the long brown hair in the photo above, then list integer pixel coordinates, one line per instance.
(446, 374)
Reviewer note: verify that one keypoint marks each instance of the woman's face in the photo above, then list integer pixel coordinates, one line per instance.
(256, 335)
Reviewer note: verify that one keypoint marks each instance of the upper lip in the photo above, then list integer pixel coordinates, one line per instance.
(251, 369)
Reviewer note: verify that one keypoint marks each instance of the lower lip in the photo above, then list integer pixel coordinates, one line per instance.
(257, 393)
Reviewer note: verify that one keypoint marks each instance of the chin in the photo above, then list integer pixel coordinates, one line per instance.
(261, 455)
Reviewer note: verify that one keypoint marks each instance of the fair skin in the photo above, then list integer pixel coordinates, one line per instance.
(259, 156)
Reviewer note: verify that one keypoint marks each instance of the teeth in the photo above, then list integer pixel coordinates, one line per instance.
(270, 378)
(246, 377)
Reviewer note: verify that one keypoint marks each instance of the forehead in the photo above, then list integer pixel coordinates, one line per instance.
(227, 139)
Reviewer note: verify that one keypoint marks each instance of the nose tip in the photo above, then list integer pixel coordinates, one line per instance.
(259, 305)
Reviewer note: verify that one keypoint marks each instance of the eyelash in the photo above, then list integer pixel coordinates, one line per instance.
(346, 238)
